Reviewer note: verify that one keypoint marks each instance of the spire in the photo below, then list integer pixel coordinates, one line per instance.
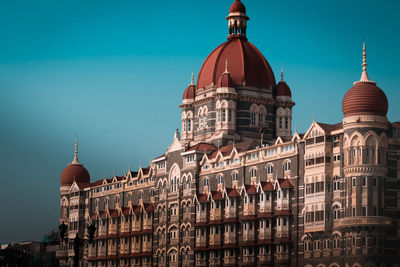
(282, 75)
(226, 66)
(364, 75)
(76, 161)
(192, 79)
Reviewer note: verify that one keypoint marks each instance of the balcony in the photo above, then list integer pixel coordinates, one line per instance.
(249, 259)
(230, 260)
(365, 221)
(264, 258)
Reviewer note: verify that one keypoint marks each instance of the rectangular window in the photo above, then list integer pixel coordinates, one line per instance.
(364, 211)
(374, 181)
(224, 115)
(364, 181)
(286, 123)
(354, 181)
(229, 115)
(260, 119)
(280, 122)
(253, 119)
(353, 212)
(189, 125)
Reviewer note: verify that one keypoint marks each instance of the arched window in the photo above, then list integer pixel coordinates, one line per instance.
(336, 212)
(220, 179)
(253, 173)
(184, 183)
(336, 240)
(235, 176)
(307, 244)
(270, 169)
(336, 183)
(286, 166)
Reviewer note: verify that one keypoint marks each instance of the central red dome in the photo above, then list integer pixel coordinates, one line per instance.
(246, 65)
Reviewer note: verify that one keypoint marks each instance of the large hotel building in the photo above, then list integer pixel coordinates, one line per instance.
(237, 187)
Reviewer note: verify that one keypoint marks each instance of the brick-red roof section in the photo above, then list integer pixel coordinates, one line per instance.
(216, 195)
(189, 92)
(125, 210)
(246, 64)
(251, 189)
(330, 127)
(232, 192)
(285, 183)
(114, 213)
(137, 209)
(237, 6)
(148, 207)
(282, 89)
(267, 186)
(283, 213)
(202, 198)
(204, 147)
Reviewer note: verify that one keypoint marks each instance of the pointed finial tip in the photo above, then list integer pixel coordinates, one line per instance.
(226, 66)
(192, 79)
(282, 75)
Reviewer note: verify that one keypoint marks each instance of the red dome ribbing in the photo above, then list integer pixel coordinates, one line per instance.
(74, 172)
(365, 98)
(237, 6)
(246, 64)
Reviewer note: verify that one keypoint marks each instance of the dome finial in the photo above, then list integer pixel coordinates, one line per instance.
(282, 75)
(76, 161)
(364, 75)
(192, 79)
(226, 66)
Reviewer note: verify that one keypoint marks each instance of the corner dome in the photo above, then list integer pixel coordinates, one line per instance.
(237, 6)
(74, 173)
(247, 66)
(226, 81)
(282, 89)
(189, 92)
(364, 99)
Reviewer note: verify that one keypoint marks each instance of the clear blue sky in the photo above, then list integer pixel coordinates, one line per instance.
(113, 72)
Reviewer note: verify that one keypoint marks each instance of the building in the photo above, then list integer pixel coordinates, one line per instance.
(238, 188)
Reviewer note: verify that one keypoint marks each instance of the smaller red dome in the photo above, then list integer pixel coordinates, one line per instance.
(237, 6)
(226, 80)
(75, 172)
(282, 89)
(189, 92)
(365, 98)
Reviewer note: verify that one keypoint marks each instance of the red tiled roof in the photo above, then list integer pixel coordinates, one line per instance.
(249, 218)
(201, 248)
(282, 240)
(216, 195)
(103, 214)
(267, 186)
(200, 224)
(232, 192)
(231, 220)
(159, 157)
(202, 198)
(215, 222)
(283, 213)
(248, 244)
(125, 210)
(264, 241)
(285, 183)
(265, 215)
(205, 147)
(251, 189)
(114, 213)
(146, 170)
(328, 128)
(148, 207)
(137, 209)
